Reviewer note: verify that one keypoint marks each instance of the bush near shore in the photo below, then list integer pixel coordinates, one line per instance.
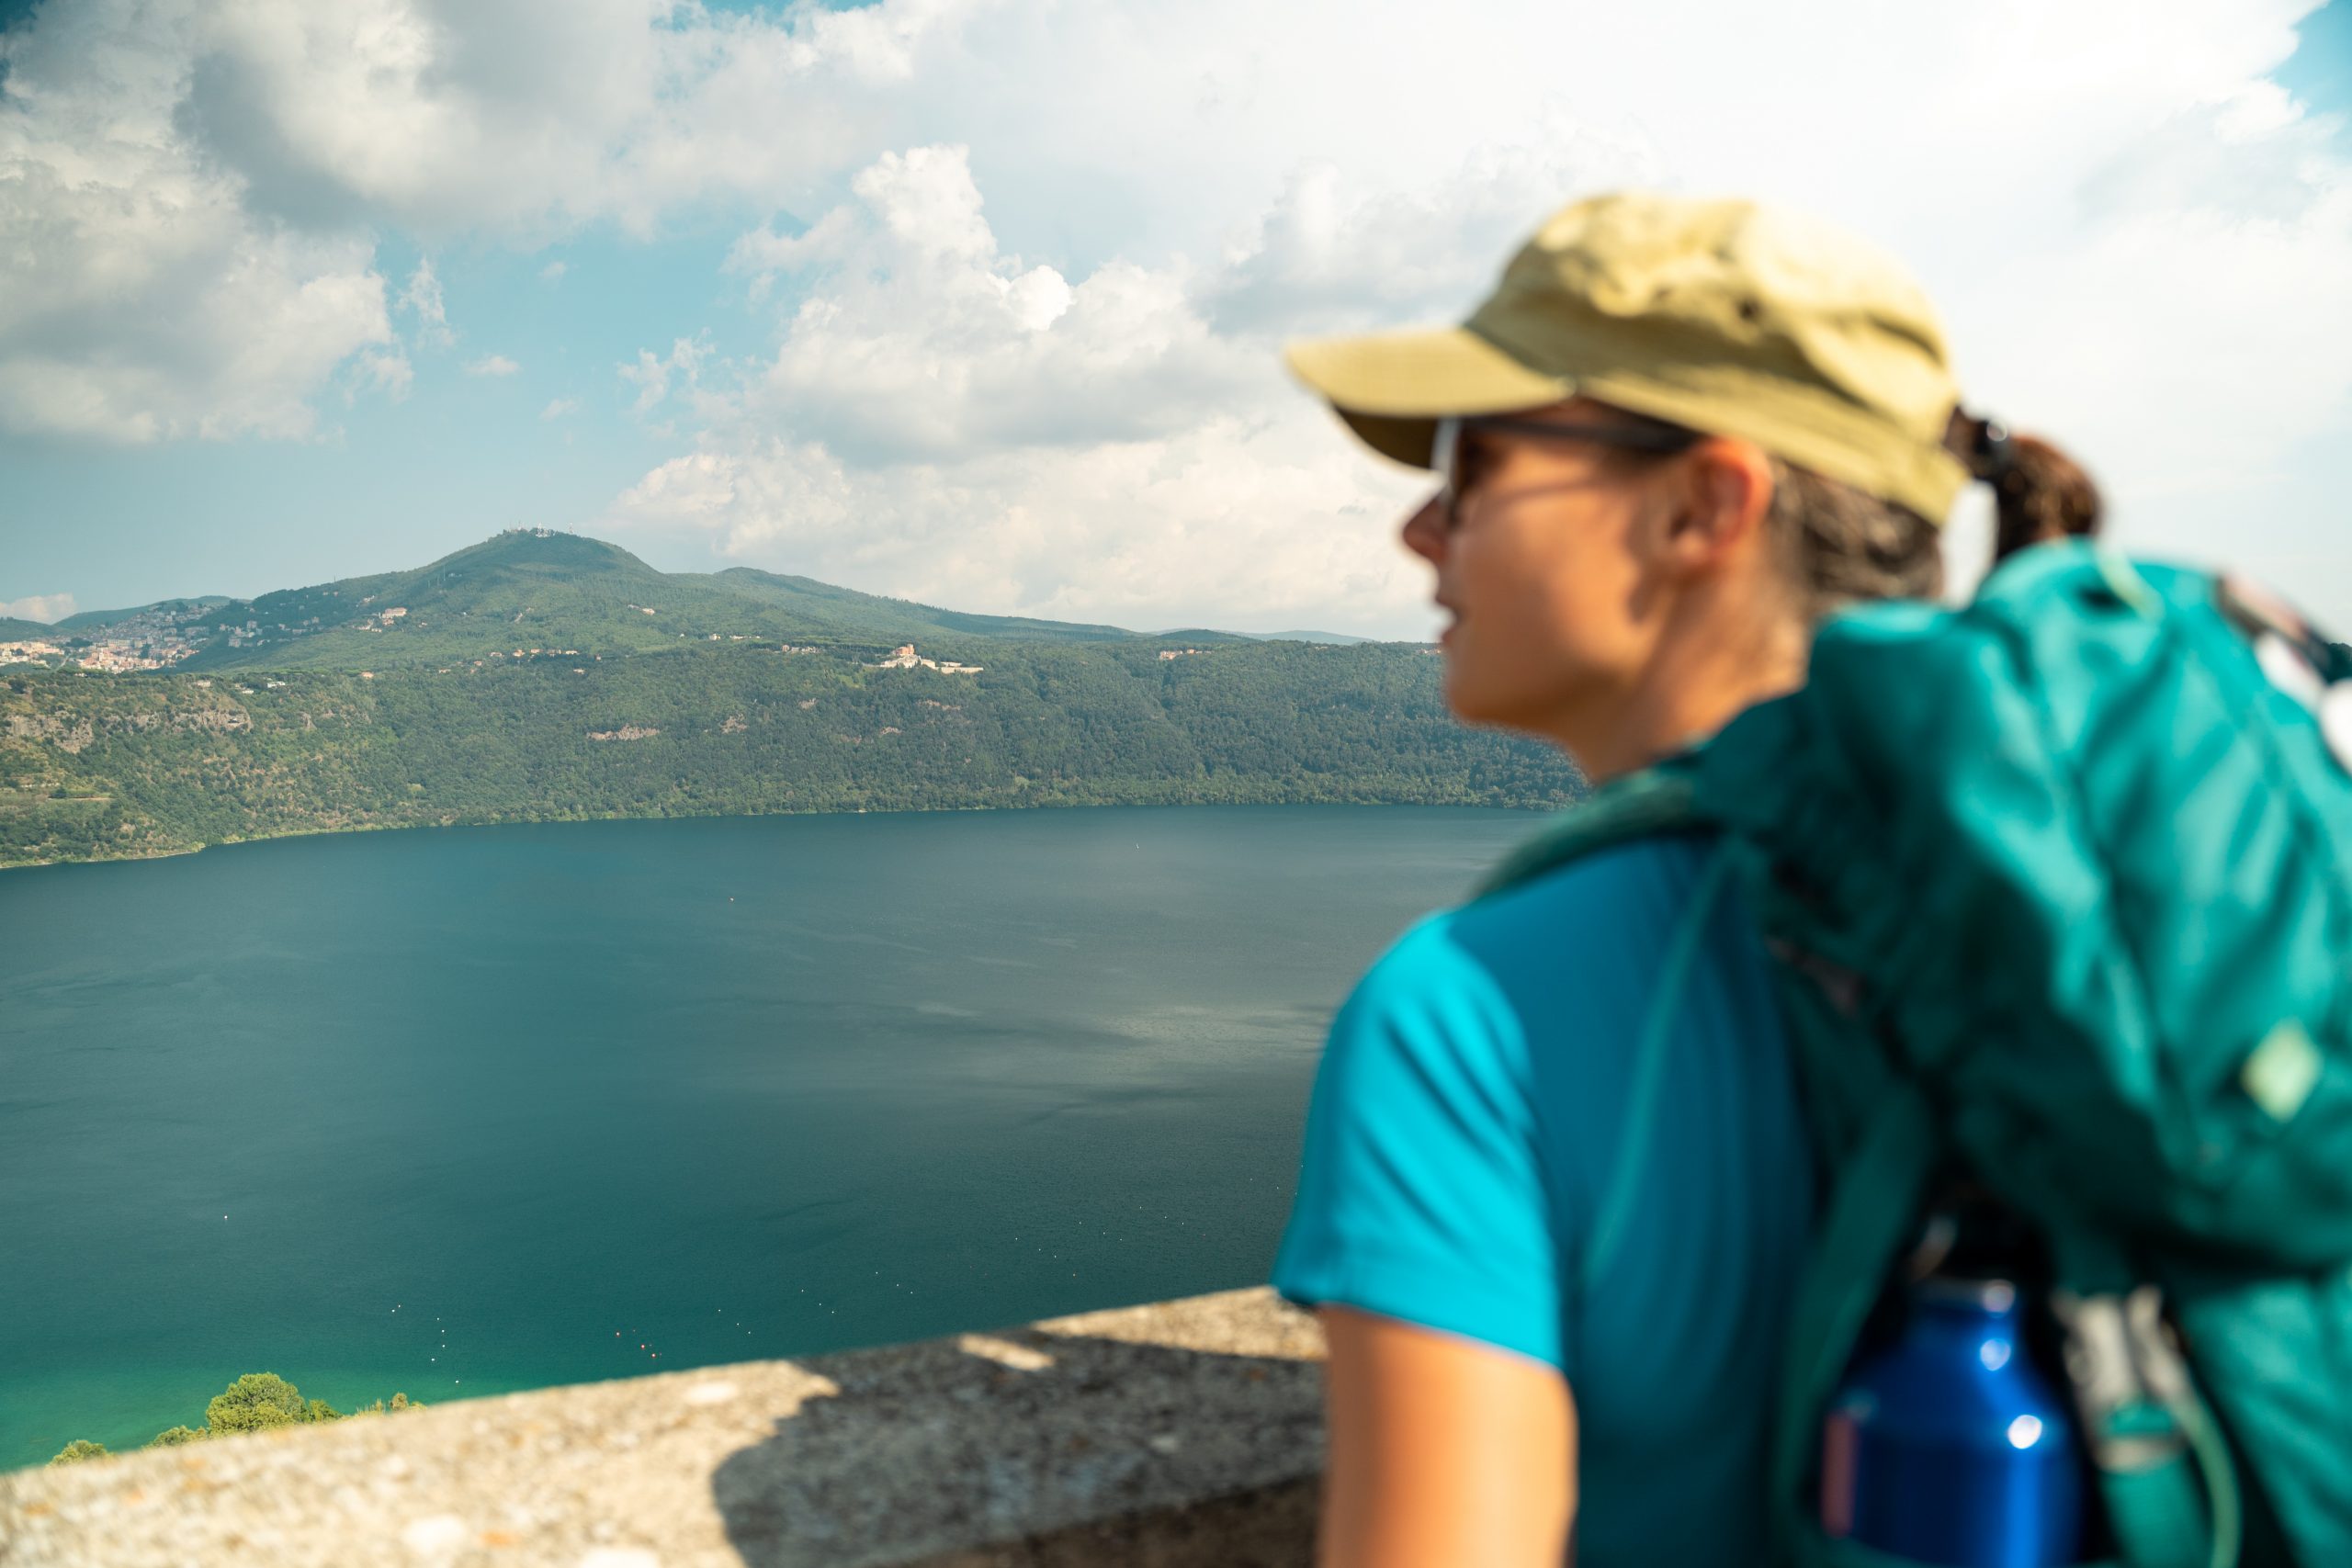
(255, 1403)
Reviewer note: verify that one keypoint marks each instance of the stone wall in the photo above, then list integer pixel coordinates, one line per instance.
(1172, 1435)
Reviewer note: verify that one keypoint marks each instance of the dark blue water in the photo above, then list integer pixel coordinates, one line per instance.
(462, 1112)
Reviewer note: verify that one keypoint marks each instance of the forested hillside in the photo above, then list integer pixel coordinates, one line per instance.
(98, 767)
(529, 590)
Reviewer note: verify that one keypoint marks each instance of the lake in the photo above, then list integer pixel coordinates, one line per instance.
(455, 1113)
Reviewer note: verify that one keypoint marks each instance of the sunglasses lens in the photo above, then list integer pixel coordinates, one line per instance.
(1445, 458)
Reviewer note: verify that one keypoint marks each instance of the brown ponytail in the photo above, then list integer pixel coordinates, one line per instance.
(1838, 546)
(2040, 494)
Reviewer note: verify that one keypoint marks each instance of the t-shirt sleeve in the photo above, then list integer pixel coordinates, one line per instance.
(1421, 1195)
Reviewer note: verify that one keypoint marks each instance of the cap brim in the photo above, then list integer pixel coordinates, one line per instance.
(1392, 388)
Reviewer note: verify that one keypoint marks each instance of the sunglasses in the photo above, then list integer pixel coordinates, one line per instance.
(1452, 456)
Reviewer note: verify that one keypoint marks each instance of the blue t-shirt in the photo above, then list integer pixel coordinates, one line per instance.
(1473, 1105)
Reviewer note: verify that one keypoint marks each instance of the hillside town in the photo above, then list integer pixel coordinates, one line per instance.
(153, 638)
(904, 657)
(30, 650)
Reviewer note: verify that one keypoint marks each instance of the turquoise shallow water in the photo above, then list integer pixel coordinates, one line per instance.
(463, 1112)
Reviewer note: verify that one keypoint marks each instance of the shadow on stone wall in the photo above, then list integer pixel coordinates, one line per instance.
(1170, 1435)
(1038, 1449)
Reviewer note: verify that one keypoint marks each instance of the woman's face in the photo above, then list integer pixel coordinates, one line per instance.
(1553, 574)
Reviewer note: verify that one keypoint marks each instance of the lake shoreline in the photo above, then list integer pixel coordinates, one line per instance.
(179, 854)
(456, 1113)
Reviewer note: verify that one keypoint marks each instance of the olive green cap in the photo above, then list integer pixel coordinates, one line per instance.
(1723, 316)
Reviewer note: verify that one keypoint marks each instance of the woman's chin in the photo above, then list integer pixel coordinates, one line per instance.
(1490, 702)
(1471, 700)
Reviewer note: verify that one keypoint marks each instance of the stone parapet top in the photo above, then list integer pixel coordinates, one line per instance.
(1180, 1433)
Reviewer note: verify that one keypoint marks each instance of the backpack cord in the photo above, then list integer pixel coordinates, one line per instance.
(1649, 1071)
(2165, 1469)
(2215, 1463)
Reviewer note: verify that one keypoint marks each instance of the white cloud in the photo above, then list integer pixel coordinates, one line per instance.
(2132, 234)
(917, 337)
(137, 303)
(944, 419)
(1331, 252)
(553, 271)
(2138, 241)
(652, 376)
(491, 365)
(561, 408)
(42, 607)
(1255, 526)
(536, 117)
(384, 371)
(422, 298)
(190, 194)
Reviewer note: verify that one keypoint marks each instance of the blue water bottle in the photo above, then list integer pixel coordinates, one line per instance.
(1948, 1446)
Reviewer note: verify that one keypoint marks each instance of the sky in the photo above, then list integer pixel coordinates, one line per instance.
(981, 302)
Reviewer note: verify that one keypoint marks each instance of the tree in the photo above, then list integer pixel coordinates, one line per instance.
(79, 1449)
(400, 1402)
(175, 1437)
(320, 1410)
(255, 1403)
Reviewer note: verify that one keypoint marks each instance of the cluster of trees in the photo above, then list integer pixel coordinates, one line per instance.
(94, 767)
(255, 1403)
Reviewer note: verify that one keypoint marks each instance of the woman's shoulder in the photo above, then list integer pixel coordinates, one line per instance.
(1625, 896)
(1585, 927)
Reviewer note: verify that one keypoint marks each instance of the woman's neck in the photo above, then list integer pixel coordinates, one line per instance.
(1691, 686)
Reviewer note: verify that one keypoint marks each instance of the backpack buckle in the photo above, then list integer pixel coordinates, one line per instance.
(2128, 1375)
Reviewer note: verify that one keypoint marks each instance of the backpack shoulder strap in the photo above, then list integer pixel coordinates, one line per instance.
(1657, 801)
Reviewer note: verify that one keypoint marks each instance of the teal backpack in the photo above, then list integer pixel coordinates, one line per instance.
(2061, 887)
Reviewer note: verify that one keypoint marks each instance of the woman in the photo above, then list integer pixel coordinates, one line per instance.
(1677, 435)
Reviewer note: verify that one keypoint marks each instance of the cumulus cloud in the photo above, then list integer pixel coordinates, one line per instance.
(1015, 258)
(42, 607)
(918, 336)
(2131, 229)
(491, 365)
(652, 376)
(384, 371)
(1250, 524)
(2190, 335)
(561, 408)
(965, 426)
(191, 195)
(422, 299)
(534, 116)
(1330, 253)
(137, 303)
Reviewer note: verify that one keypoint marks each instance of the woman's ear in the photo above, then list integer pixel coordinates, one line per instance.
(1723, 491)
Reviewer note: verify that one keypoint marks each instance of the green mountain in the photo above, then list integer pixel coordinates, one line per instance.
(531, 589)
(89, 621)
(542, 676)
(14, 630)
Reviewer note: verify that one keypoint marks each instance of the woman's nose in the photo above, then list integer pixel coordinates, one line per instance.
(1424, 531)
